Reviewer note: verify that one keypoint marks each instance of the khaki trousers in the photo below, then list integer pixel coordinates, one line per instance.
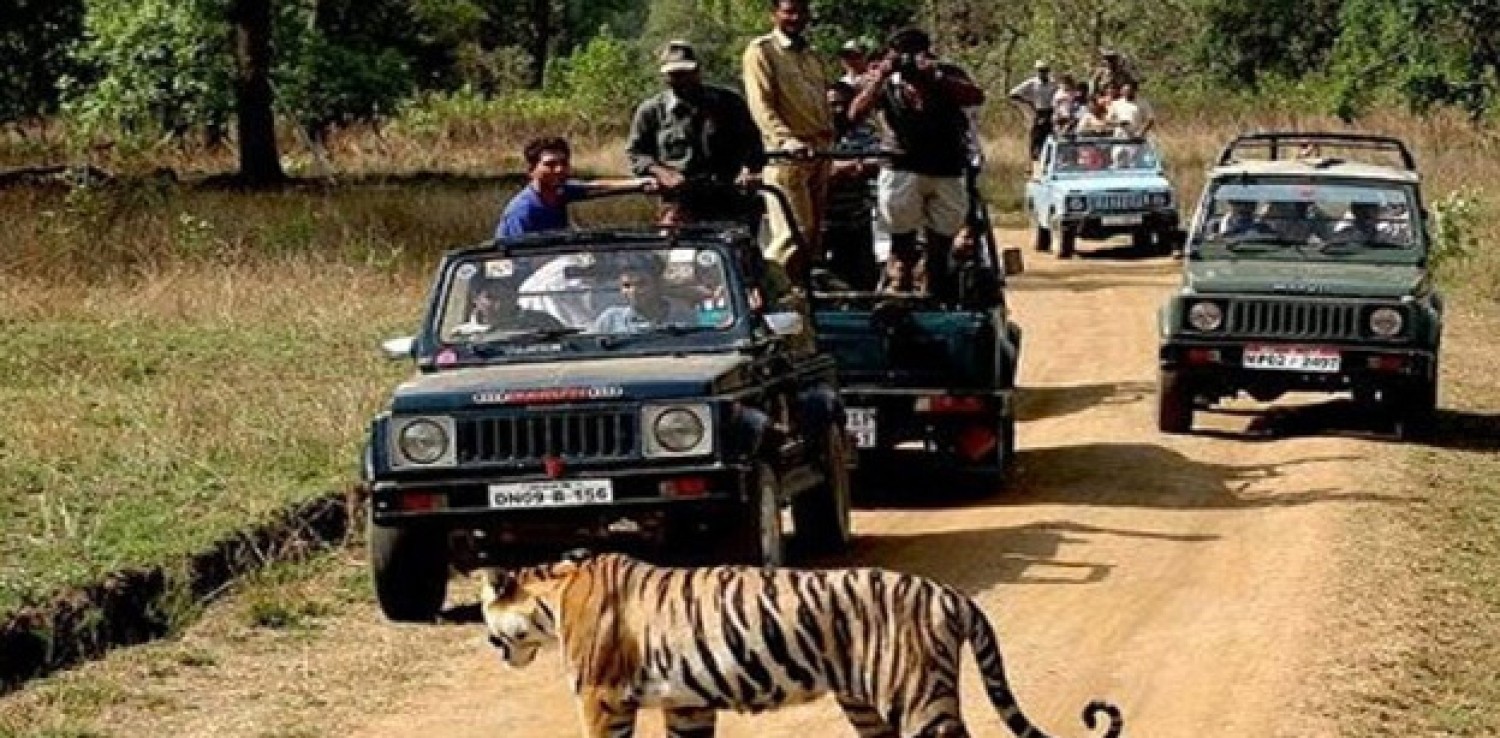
(805, 184)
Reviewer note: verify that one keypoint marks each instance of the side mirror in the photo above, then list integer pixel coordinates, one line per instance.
(786, 323)
(397, 349)
(1010, 259)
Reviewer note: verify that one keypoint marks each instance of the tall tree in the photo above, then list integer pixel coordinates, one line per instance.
(260, 162)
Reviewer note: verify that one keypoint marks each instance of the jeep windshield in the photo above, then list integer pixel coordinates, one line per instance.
(587, 301)
(1106, 156)
(1287, 218)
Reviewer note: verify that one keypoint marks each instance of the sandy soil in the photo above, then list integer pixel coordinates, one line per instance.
(1191, 580)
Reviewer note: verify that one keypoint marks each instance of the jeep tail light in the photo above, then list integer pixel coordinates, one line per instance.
(950, 404)
(1203, 356)
(420, 501)
(684, 488)
(1384, 363)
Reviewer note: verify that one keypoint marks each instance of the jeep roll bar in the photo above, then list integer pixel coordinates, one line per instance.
(1274, 143)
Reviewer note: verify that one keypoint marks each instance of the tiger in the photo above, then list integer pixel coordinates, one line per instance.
(693, 641)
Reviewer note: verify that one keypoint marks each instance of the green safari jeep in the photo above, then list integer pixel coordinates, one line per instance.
(1305, 271)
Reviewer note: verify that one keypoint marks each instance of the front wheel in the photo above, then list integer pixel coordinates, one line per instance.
(1069, 242)
(1140, 241)
(759, 539)
(1043, 238)
(822, 515)
(1174, 403)
(409, 567)
(1417, 409)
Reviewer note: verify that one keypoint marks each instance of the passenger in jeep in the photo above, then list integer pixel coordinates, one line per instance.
(647, 306)
(495, 306)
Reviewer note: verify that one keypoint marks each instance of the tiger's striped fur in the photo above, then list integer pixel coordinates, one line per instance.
(693, 641)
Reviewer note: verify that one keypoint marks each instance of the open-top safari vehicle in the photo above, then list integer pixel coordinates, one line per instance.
(1306, 271)
(578, 387)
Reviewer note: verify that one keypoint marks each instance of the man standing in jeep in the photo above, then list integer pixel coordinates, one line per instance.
(922, 101)
(698, 141)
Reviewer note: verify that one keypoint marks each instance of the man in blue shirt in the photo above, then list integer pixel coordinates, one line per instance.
(543, 204)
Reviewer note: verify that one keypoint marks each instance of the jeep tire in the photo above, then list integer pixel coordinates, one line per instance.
(1174, 403)
(1416, 408)
(1043, 238)
(1141, 241)
(1067, 241)
(821, 515)
(409, 567)
(758, 538)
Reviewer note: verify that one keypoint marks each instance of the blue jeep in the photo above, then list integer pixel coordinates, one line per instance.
(1101, 187)
(584, 386)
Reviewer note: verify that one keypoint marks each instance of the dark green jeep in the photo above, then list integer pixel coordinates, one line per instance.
(1305, 271)
(595, 388)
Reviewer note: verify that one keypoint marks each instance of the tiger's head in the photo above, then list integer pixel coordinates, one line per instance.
(520, 608)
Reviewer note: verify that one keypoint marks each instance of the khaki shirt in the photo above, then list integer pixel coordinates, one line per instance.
(786, 88)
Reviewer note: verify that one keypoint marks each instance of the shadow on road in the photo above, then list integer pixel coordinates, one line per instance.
(1037, 403)
(1147, 475)
(1027, 554)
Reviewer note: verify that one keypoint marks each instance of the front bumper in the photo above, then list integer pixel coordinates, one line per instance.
(1221, 364)
(1102, 225)
(641, 502)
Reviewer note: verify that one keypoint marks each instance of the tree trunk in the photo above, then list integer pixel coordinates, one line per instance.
(541, 41)
(260, 163)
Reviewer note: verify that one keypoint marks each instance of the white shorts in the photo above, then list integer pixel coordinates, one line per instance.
(910, 202)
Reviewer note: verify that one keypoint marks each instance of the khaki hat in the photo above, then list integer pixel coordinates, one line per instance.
(1042, 64)
(678, 57)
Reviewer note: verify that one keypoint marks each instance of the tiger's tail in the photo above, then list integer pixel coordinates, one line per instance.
(992, 669)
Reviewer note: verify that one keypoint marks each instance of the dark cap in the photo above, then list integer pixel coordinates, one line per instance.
(679, 56)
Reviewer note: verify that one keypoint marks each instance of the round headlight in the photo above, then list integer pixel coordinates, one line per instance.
(1159, 199)
(423, 441)
(1077, 202)
(1386, 322)
(678, 430)
(1206, 316)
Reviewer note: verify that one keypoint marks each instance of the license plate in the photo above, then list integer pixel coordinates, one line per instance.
(1120, 220)
(559, 493)
(1292, 358)
(861, 423)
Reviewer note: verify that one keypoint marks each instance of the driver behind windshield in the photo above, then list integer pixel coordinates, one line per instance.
(1240, 221)
(494, 306)
(646, 305)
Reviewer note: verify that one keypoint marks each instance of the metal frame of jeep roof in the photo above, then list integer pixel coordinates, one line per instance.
(1275, 142)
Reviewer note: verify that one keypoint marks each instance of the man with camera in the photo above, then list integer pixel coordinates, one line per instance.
(922, 101)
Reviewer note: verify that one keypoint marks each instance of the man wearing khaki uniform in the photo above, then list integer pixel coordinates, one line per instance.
(785, 85)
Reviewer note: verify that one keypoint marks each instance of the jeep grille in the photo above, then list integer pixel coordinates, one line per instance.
(1293, 319)
(527, 438)
(1118, 201)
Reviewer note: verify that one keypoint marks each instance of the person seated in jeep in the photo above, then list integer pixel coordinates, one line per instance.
(1292, 221)
(495, 307)
(1366, 222)
(1241, 222)
(646, 305)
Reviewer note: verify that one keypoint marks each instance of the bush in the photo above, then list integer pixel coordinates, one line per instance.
(1455, 233)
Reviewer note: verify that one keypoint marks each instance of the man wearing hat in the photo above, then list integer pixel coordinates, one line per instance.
(697, 141)
(1037, 93)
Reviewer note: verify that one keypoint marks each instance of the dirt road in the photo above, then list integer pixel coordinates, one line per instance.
(1180, 578)
(1192, 580)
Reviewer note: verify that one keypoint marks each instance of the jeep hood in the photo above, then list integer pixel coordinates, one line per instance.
(1320, 279)
(604, 379)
